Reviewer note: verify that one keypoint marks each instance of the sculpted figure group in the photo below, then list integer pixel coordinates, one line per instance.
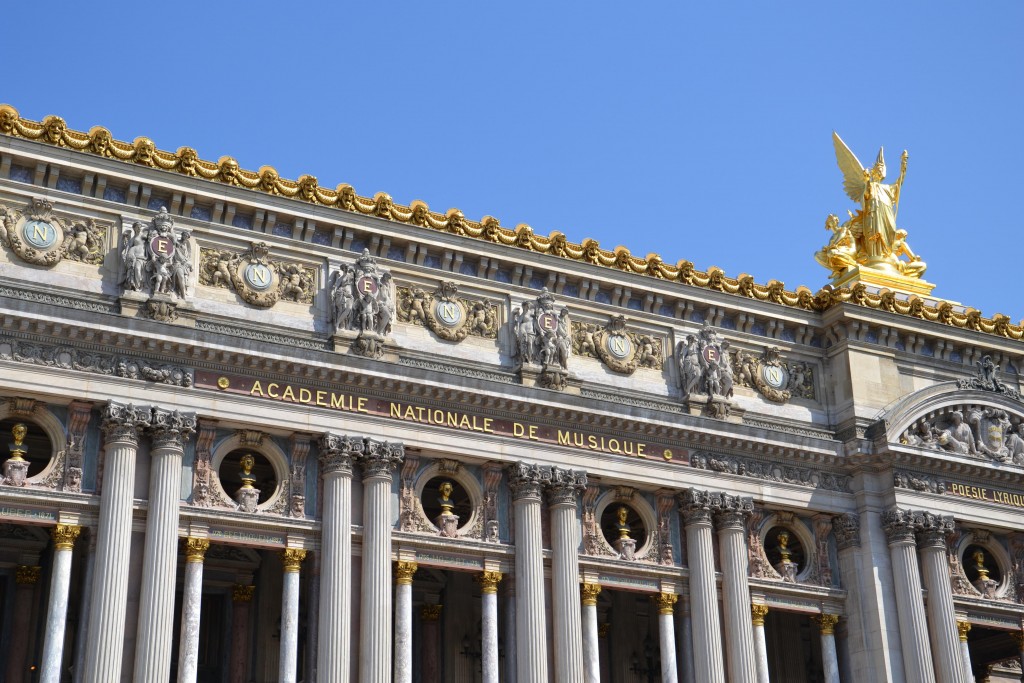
(157, 259)
(704, 366)
(542, 337)
(363, 303)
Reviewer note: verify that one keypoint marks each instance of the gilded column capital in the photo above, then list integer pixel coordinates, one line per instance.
(430, 612)
(337, 452)
(758, 611)
(827, 623)
(171, 428)
(898, 526)
(242, 593)
(564, 485)
(380, 458)
(963, 627)
(526, 480)
(64, 536)
(292, 559)
(404, 571)
(666, 602)
(589, 593)
(488, 581)
(27, 575)
(195, 549)
(125, 422)
(846, 527)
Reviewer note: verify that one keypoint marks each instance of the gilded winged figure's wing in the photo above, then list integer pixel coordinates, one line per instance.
(853, 171)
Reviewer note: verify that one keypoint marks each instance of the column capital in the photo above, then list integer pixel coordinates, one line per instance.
(932, 529)
(64, 536)
(827, 623)
(699, 507)
(846, 527)
(526, 480)
(963, 627)
(242, 593)
(27, 575)
(337, 451)
(565, 485)
(431, 612)
(404, 571)
(171, 428)
(292, 559)
(758, 611)
(488, 581)
(125, 422)
(380, 458)
(589, 593)
(731, 512)
(898, 526)
(195, 549)
(665, 602)
(695, 507)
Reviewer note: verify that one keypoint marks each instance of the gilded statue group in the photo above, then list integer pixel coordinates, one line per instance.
(870, 237)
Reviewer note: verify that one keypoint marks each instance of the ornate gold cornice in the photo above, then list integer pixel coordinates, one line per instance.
(242, 593)
(64, 536)
(292, 559)
(195, 549)
(143, 152)
(404, 572)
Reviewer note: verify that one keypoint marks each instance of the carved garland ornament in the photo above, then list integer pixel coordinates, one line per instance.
(256, 278)
(449, 317)
(618, 348)
(39, 237)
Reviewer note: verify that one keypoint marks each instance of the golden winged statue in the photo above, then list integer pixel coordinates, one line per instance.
(869, 242)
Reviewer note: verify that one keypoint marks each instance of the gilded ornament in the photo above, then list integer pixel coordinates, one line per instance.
(758, 611)
(18, 449)
(488, 581)
(430, 612)
(26, 575)
(64, 536)
(292, 559)
(195, 549)
(404, 572)
(255, 277)
(157, 258)
(242, 593)
(665, 602)
(36, 235)
(450, 317)
(589, 593)
(964, 627)
(827, 623)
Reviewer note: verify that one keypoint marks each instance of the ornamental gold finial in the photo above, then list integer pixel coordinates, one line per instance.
(19, 431)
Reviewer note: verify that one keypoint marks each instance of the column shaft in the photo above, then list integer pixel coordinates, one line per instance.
(489, 625)
(591, 644)
(191, 607)
(511, 658)
(667, 637)
(963, 627)
(829, 658)
(565, 574)
(334, 644)
(758, 612)
(57, 612)
(403, 621)
(531, 625)
(292, 559)
(917, 659)
(949, 663)
(739, 634)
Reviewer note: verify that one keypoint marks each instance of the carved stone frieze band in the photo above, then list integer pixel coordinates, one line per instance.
(758, 469)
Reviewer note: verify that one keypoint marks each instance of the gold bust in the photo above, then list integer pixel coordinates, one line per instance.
(19, 431)
(979, 565)
(621, 515)
(784, 551)
(445, 499)
(246, 463)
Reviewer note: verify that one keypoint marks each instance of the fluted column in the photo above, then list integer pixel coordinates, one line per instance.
(430, 616)
(25, 579)
(829, 659)
(899, 531)
(191, 607)
(758, 611)
(731, 514)
(105, 648)
(334, 641)
(241, 602)
(946, 654)
(403, 621)
(531, 627)
(170, 430)
(667, 636)
(488, 581)
(64, 536)
(291, 559)
(378, 461)
(510, 630)
(963, 627)
(709, 667)
(591, 645)
(564, 487)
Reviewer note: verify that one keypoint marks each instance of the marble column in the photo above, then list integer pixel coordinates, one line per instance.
(291, 560)
(917, 658)
(378, 461)
(829, 658)
(667, 636)
(526, 482)
(334, 645)
(25, 579)
(488, 581)
(191, 605)
(403, 621)
(963, 627)
(758, 611)
(64, 536)
(730, 518)
(946, 654)
(591, 645)
(708, 664)
(121, 425)
(430, 617)
(241, 603)
(564, 487)
(169, 431)
(684, 641)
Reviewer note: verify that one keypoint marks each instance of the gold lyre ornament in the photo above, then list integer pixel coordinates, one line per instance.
(19, 432)
(195, 549)
(292, 559)
(404, 572)
(65, 535)
(488, 581)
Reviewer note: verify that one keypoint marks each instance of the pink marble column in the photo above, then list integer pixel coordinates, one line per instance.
(430, 617)
(242, 601)
(26, 579)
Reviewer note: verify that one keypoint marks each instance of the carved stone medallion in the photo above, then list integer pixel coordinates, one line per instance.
(618, 348)
(255, 277)
(775, 379)
(39, 237)
(449, 317)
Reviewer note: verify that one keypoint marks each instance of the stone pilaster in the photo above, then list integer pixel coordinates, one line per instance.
(829, 658)
(899, 531)
(191, 607)
(378, 461)
(26, 577)
(591, 645)
(403, 621)
(430, 616)
(121, 425)
(946, 655)
(564, 487)
(511, 658)
(241, 602)
(488, 581)
(696, 509)
(64, 536)
(334, 646)
(526, 482)
(291, 561)
(666, 636)
(731, 513)
(758, 611)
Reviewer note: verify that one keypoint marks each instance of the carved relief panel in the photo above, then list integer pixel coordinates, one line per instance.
(450, 317)
(38, 236)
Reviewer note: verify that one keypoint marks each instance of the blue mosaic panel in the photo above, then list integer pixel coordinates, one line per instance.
(322, 236)
(358, 245)
(396, 253)
(202, 213)
(73, 185)
(957, 358)
(698, 317)
(728, 324)
(787, 335)
(242, 220)
(468, 268)
(115, 194)
(283, 230)
(537, 282)
(21, 174)
(927, 351)
(666, 309)
(758, 329)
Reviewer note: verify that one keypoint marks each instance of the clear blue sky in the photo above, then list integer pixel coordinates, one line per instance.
(694, 130)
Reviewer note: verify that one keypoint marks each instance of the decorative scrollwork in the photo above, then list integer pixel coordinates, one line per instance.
(257, 279)
(618, 348)
(39, 237)
(449, 317)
